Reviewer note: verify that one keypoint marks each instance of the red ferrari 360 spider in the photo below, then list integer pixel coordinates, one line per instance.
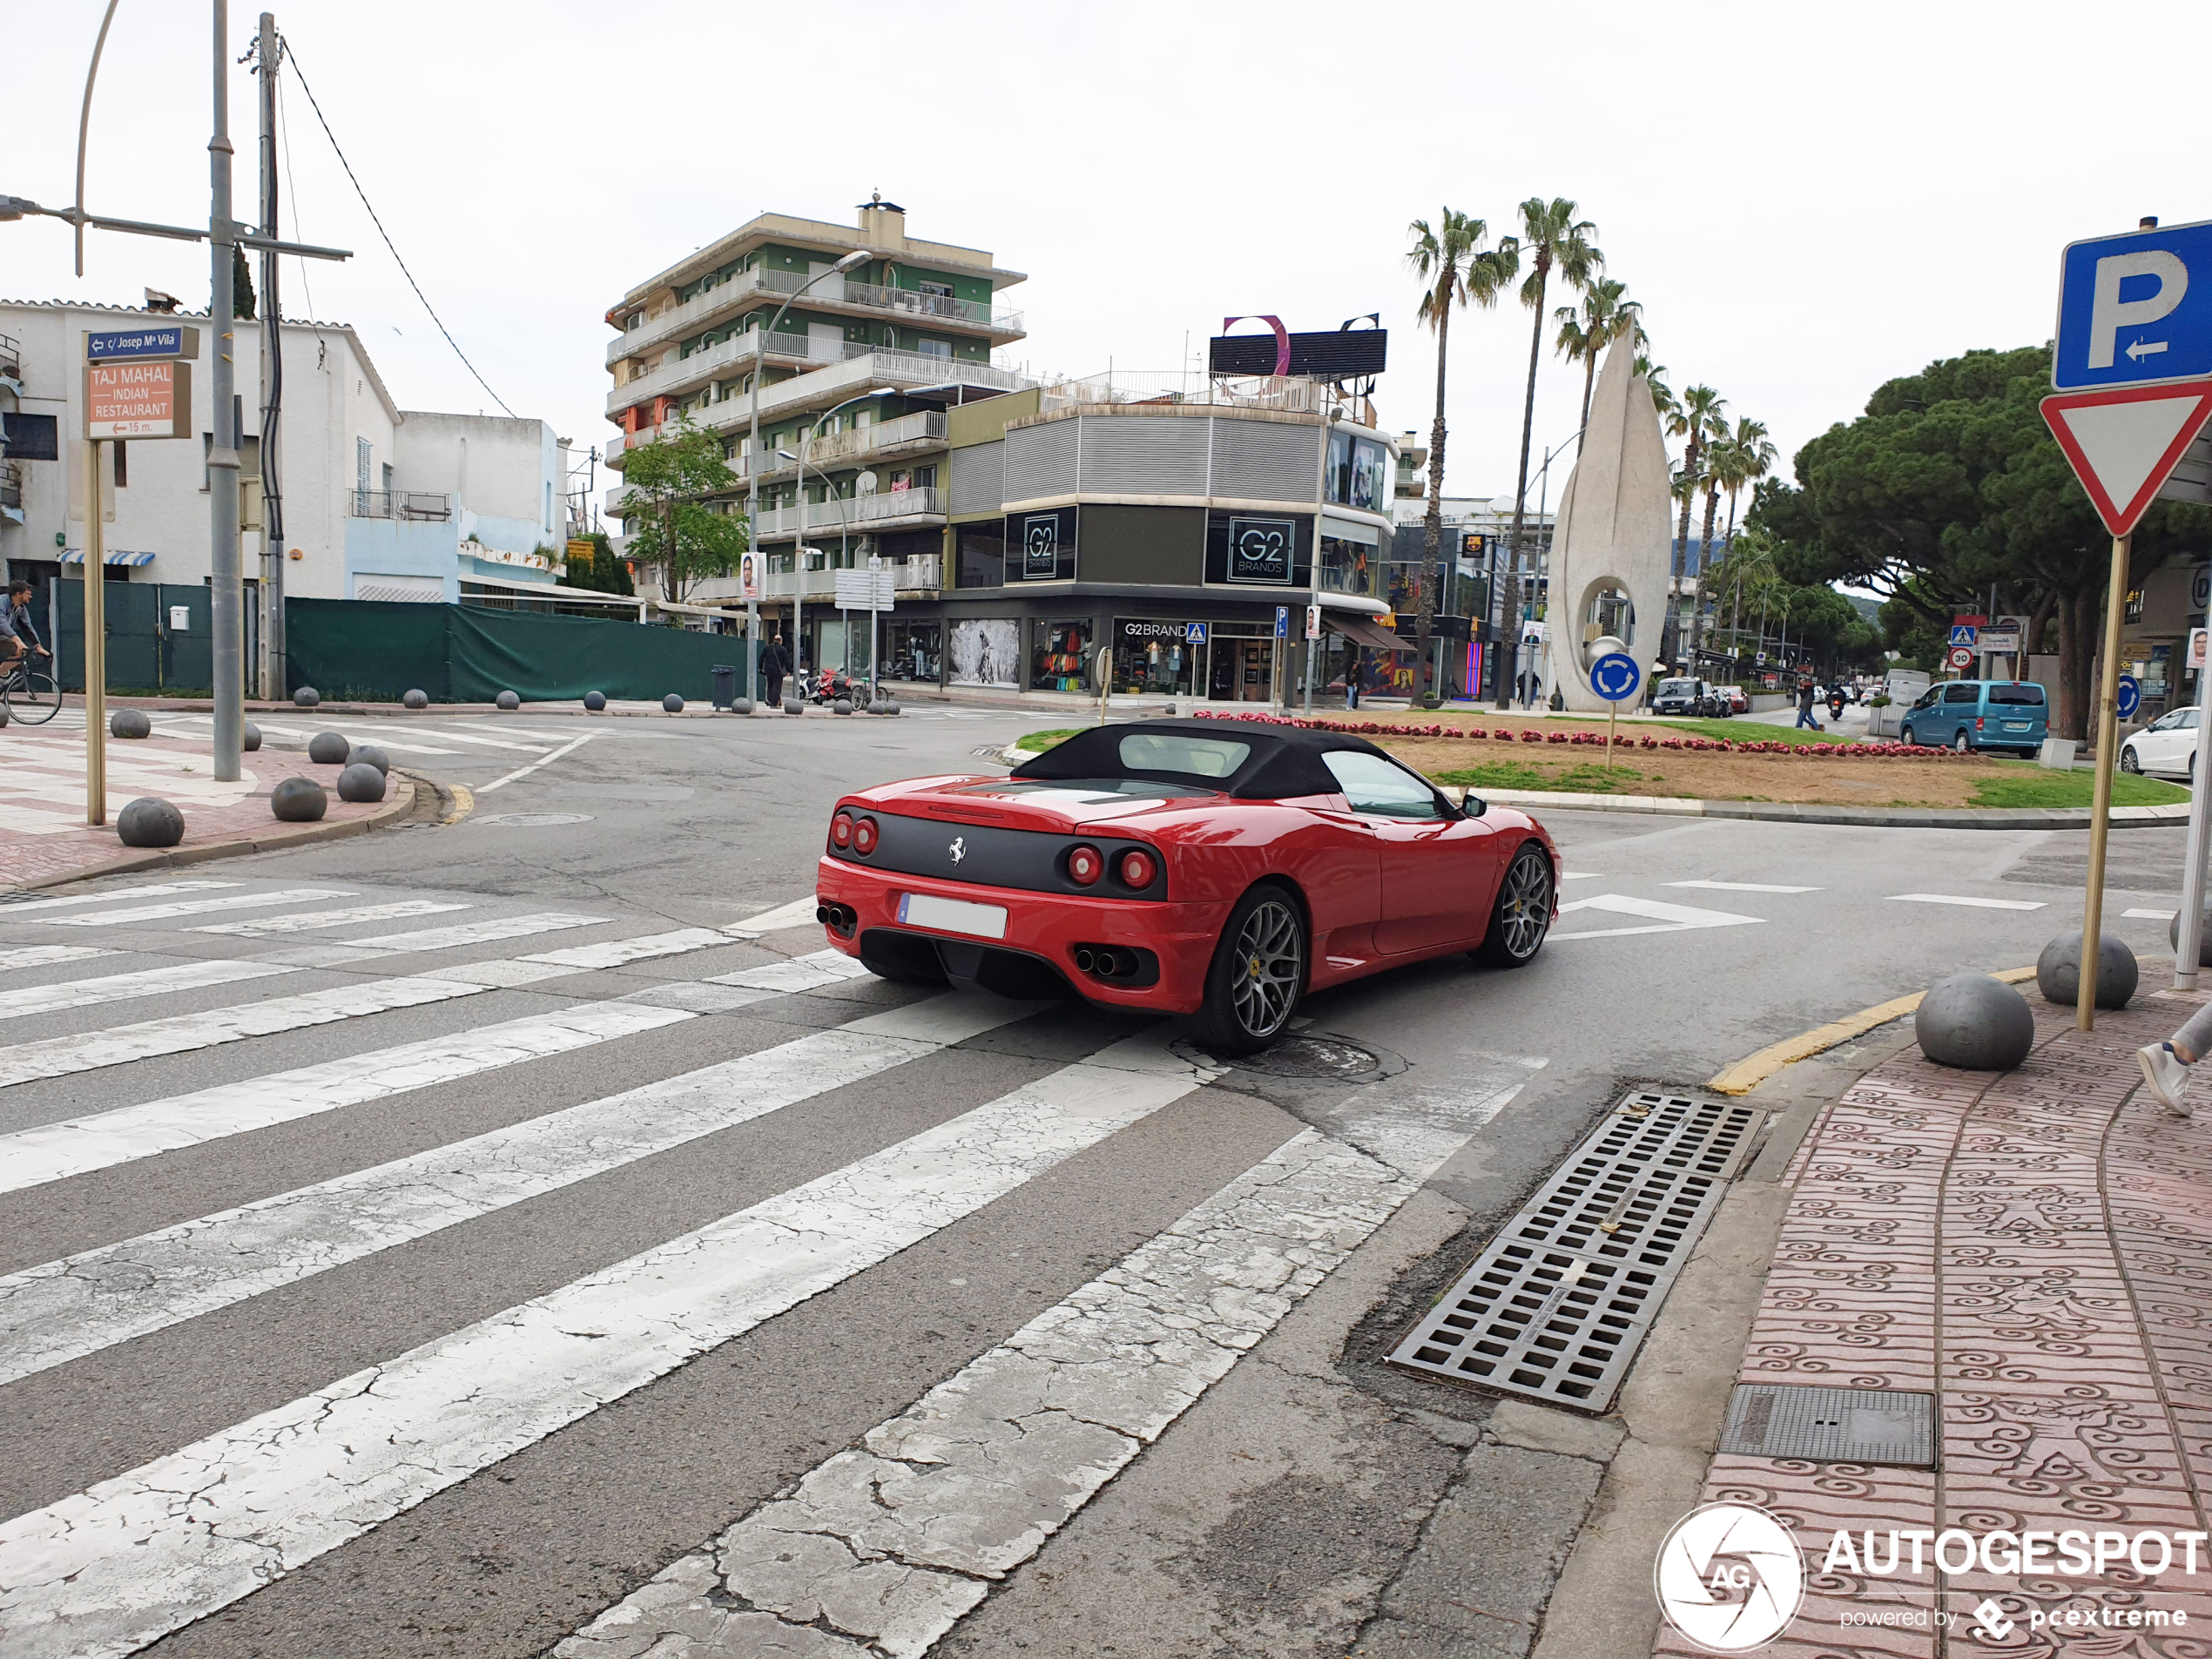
(1184, 867)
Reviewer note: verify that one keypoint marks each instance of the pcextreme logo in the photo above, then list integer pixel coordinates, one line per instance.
(1730, 1577)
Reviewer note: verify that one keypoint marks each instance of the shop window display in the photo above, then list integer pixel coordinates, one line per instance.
(1154, 658)
(915, 650)
(986, 651)
(1063, 648)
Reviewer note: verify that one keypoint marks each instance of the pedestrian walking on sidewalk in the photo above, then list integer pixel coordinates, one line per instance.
(2166, 1065)
(775, 662)
(1804, 705)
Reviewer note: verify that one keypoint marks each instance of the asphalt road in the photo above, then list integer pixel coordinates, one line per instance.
(428, 1289)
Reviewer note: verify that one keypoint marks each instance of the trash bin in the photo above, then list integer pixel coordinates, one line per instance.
(725, 685)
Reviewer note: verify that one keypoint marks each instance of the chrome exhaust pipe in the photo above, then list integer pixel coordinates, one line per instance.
(1084, 961)
(825, 914)
(1108, 964)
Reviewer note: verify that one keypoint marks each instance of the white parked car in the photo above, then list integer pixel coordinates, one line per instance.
(2168, 745)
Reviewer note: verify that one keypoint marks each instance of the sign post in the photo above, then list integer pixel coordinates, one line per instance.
(2132, 366)
(1614, 676)
(2189, 945)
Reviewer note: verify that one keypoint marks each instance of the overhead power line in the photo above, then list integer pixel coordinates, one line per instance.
(292, 57)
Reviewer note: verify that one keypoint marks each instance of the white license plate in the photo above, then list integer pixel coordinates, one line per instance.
(952, 915)
(2015, 725)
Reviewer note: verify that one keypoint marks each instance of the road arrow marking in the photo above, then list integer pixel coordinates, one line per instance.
(1667, 917)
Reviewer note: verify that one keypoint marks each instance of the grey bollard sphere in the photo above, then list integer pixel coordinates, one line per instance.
(891, 707)
(306, 696)
(149, 821)
(3, 714)
(792, 706)
(2204, 938)
(249, 737)
(329, 748)
(129, 723)
(2058, 972)
(368, 754)
(507, 701)
(672, 703)
(594, 701)
(417, 698)
(360, 782)
(843, 705)
(299, 800)
(1975, 1024)
(743, 705)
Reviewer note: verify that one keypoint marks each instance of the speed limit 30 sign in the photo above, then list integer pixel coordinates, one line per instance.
(1961, 658)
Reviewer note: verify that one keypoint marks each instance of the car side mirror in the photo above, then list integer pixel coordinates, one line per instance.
(1474, 806)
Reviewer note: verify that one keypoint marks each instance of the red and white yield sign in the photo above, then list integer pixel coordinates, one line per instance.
(2124, 441)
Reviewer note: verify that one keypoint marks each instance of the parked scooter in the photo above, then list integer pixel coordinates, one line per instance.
(832, 684)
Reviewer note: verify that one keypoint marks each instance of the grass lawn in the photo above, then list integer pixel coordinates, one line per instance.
(1589, 777)
(1037, 742)
(2033, 786)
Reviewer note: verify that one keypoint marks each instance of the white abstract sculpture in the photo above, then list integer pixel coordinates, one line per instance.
(1613, 532)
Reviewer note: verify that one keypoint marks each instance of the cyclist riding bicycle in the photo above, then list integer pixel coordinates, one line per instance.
(19, 641)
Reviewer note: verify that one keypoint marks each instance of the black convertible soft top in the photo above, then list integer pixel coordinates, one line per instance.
(1285, 761)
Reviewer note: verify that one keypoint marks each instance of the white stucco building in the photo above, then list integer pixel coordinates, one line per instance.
(379, 503)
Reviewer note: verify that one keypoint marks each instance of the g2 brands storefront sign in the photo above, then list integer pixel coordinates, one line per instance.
(1260, 549)
(138, 399)
(1041, 547)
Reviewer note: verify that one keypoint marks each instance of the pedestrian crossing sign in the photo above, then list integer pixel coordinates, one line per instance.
(1964, 634)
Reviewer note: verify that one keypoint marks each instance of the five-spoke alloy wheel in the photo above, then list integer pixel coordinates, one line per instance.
(1522, 916)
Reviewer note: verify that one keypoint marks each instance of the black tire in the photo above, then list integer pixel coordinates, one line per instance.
(1960, 744)
(1258, 974)
(2130, 761)
(1905, 738)
(1521, 918)
(34, 699)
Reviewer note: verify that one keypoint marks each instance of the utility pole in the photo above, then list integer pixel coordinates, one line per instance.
(222, 455)
(272, 677)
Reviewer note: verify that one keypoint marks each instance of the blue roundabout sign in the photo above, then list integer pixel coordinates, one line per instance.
(1615, 676)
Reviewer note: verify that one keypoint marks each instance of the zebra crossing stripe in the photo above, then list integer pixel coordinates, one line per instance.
(47, 955)
(113, 1567)
(616, 952)
(31, 1158)
(155, 890)
(24, 1062)
(489, 931)
(891, 1545)
(117, 988)
(307, 922)
(196, 907)
(63, 1310)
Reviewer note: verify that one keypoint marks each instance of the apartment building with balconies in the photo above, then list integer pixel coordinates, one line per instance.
(913, 320)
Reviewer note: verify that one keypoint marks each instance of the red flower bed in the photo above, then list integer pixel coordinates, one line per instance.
(1530, 734)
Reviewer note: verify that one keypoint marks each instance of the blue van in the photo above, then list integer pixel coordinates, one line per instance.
(1979, 714)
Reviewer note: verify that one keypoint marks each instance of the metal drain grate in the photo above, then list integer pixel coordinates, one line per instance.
(1556, 1306)
(1830, 1425)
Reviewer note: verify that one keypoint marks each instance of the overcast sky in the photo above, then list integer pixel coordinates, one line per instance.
(1809, 200)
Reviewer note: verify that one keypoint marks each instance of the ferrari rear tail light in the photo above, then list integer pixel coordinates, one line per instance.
(1138, 869)
(1085, 864)
(863, 836)
(841, 830)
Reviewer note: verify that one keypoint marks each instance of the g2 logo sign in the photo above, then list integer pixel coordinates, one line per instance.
(1041, 547)
(1729, 1577)
(1259, 550)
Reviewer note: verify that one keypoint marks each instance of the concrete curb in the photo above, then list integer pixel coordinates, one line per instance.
(1969, 818)
(403, 802)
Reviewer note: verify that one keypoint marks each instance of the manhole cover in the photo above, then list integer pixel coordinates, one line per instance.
(1557, 1304)
(535, 821)
(1308, 1055)
(1831, 1424)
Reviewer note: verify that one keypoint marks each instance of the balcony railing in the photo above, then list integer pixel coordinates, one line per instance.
(12, 488)
(11, 357)
(422, 505)
(864, 363)
(923, 574)
(826, 518)
(695, 313)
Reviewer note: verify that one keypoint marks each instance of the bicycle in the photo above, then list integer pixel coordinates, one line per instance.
(29, 693)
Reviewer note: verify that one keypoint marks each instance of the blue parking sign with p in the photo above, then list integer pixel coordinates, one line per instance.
(2134, 308)
(1615, 676)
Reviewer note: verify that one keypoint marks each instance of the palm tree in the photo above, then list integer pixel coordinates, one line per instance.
(1607, 314)
(1721, 463)
(1696, 417)
(1455, 269)
(1553, 239)
(1663, 396)
(1754, 459)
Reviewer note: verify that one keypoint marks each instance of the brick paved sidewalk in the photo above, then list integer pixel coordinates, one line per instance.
(43, 833)
(2035, 1248)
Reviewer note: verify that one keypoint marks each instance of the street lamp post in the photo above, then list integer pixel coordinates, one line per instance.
(799, 554)
(858, 256)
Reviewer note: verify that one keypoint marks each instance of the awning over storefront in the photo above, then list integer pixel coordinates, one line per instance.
(1362, 631)
(119, 555)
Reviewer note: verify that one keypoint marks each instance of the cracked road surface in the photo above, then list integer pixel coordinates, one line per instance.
(518, 1235)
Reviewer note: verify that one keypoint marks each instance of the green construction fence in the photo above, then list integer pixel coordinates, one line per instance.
(368, 650)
